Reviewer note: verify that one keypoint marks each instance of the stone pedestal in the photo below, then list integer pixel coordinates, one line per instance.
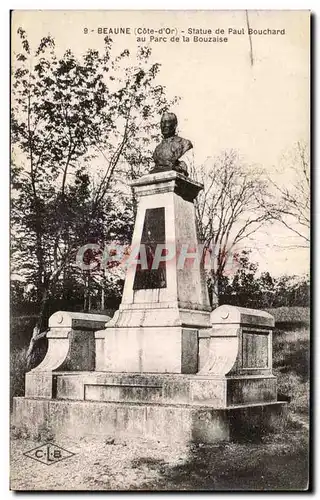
(163, 306)
(164, 366)
(237, 351)
(232, 395)
(71, 347)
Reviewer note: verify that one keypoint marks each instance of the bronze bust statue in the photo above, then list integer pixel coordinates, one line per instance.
(167, 153)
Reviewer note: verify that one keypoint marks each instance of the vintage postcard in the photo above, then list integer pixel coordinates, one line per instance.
(160, 231)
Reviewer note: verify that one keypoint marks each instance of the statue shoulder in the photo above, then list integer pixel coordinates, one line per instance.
(185, 143)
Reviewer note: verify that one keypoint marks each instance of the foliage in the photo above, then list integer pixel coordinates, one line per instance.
(291, 354)
(80, 128)
(18, 368)
(287, 314)
(248, 289)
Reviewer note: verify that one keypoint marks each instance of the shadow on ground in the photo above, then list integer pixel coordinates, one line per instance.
(266, 466)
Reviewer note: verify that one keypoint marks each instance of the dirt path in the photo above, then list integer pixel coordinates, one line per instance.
(280, 464)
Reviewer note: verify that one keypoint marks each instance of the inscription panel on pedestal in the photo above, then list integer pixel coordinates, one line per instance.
(254, 350)
(153, 234)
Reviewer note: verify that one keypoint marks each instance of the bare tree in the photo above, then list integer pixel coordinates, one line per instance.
(73, 121)
(291, 205)
(230, 209)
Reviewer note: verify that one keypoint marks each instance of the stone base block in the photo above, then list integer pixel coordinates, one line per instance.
(218, 392)
(151, 350)
(167, 423)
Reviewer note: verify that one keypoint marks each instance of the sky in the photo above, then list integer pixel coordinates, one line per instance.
(261, 109)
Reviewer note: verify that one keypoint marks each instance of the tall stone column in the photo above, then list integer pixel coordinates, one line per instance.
(165, 300)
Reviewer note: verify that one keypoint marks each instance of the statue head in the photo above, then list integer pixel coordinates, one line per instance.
(168, 124)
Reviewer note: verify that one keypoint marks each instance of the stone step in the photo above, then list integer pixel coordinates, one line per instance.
(218, 392)
(164, 422)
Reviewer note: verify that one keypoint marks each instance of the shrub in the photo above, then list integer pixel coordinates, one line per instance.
(18, 368)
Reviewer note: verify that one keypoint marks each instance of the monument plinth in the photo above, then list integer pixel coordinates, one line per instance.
(165, 301)
(164, 367)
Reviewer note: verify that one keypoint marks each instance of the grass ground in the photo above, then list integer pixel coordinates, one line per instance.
(279, 462)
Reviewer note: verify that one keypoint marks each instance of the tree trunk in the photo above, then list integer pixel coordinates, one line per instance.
(85, 291)
(215, 294)
(89, 292)
(102, 297)
(47, 288)
(38, 326)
